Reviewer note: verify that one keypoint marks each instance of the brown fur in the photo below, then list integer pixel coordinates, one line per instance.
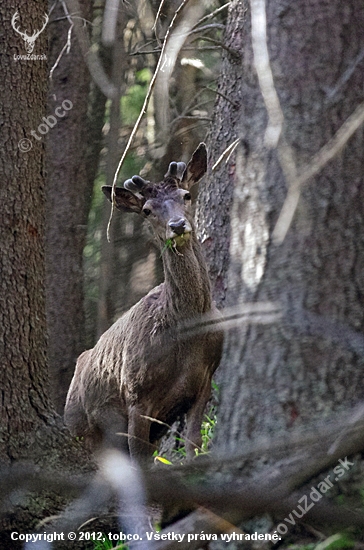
(143, 365)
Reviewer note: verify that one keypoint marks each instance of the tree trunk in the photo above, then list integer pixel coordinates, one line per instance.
(24, 378)
(30, 430)
(68, 199)
(216, 192)
(283, 375)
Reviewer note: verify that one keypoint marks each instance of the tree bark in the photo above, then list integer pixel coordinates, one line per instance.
(216, 192)
(68, 202)
(30, 429)
(282, 376)
(23, 326)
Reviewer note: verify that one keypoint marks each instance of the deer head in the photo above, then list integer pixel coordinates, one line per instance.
(29, 40)
(167, 204)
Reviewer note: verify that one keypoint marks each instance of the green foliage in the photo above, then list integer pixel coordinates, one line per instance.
(103, 545)
(109, 545)
(310, 546)
(207, 431)
(132, 101)
(339, 541)
(168, 244)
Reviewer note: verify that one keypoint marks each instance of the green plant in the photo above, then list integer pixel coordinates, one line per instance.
(208, 430)
(109, 545)
(339, 541)
(169, 243)
(103, 545)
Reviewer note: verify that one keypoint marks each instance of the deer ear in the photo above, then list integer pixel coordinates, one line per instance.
(125, 200)
(196, 168)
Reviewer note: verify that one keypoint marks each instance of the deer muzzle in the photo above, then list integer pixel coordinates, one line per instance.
(178, 227)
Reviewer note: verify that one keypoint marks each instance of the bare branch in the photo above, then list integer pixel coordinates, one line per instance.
(222, 500)
(344, 77)
(276, 121)
(264, 72)
(109, 22)
(326, 153)
(157, 16)
(67, 47)
(235, 53)
(210, 27)
(211, 15)
(91, 57)
(143, 109)
(227, 153)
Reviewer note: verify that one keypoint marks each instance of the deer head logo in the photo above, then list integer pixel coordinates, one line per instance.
(29, 40)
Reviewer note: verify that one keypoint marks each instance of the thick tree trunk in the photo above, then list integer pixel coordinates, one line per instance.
(68, 196)
(29, 430)
(24, 378)
(283, 375)
(216, 192)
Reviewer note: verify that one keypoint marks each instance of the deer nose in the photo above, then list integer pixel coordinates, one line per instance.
(178, 226)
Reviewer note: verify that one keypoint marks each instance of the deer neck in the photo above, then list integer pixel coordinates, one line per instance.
(187, 284)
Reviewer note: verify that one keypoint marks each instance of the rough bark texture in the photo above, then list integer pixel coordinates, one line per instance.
(284, 375)
(30, 430)
(23, 343)
(216, 192)
(68, 196)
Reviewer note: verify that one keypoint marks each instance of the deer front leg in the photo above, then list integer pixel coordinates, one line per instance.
(194, 421)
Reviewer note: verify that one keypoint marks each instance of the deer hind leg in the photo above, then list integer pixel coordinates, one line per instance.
(109, 428)
(194, 421)
(138, 435)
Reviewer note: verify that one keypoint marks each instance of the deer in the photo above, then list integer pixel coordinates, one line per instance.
(144, 372)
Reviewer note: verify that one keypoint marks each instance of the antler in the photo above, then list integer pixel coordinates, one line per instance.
(13, 21)
(176, 170)
(135, 184)
(36, 34)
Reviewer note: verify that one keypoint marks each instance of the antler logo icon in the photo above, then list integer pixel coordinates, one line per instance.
(29, 40)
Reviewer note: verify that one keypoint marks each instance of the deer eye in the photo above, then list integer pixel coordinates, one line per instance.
(187, 197)
(147, 211)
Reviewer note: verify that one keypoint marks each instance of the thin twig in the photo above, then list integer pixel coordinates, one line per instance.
(326, 153)
(233, 103)
(210, 15)
(91, 57)
(227, 152)
(142, 111)
(207, 28)
(273, 135)
(184, 49)
(235, 53)
(174, 431)
(154, 28)
(67, 47)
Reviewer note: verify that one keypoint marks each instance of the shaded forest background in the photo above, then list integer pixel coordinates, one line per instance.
(118, 273)
(276, 90)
